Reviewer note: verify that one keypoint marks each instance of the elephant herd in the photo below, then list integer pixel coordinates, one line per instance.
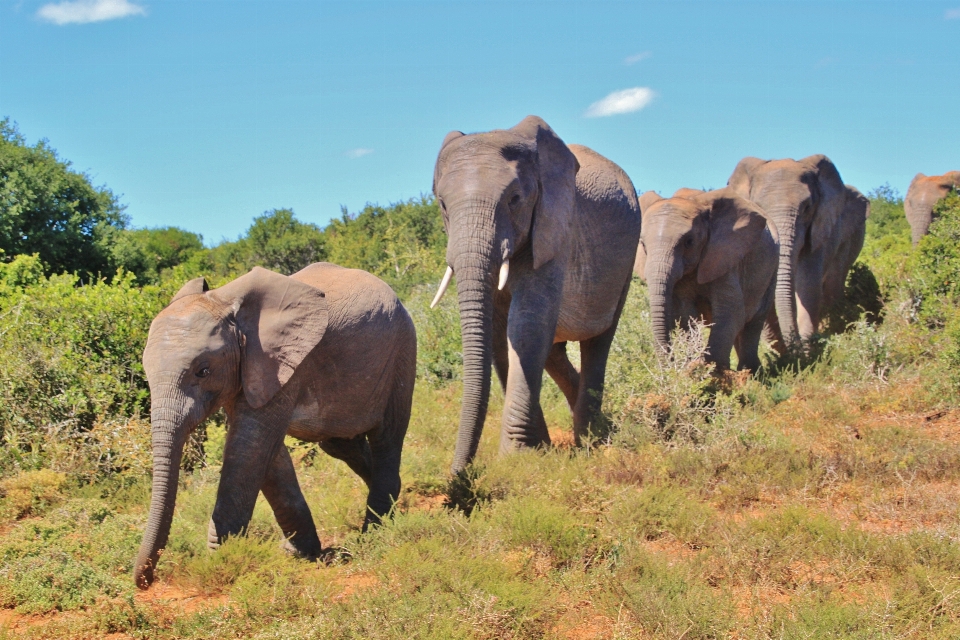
(543, 238)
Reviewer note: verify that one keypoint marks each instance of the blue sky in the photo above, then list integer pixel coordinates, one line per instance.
(203, 114)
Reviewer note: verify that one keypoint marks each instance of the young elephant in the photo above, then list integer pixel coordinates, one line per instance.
(327, 355)
(712, 255)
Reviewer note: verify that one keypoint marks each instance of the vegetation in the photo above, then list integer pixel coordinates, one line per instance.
(813, 500)
(48, 209)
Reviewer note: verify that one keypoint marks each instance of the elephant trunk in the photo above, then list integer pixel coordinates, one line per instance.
(473, 245)
(660, 283)
(169, 436)
(785, 299)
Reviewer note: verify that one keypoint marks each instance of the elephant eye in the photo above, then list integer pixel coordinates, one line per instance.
(203, 373)
(515, 200)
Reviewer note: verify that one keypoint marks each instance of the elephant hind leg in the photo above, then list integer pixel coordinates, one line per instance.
(588, 421)
(587, 418)
(748, 344)
(282, 491)
(355, 452)
(564, 373)
(386, 447)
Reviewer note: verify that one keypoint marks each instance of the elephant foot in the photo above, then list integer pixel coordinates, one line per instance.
(213, 541)
(310, 550)
(328, 555)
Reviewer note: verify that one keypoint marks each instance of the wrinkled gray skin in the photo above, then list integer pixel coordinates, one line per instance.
(845, 245)
(711, 255)
(326, 355)
(570, 239)
(805, 199)
(922, 195)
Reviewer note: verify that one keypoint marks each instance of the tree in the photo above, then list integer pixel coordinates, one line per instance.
(50, 210)
(147, 253)
(277, 241)
(403, 243)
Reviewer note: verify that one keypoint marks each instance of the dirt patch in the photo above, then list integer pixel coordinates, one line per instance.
(186, 600)
(913, 506)
(430, 504)
(355, 582)
(674, 550)
(562, 438)
(10, 619)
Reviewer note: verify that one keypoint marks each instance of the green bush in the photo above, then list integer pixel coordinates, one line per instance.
(862, 298)
(887, 246)
(935, 266)
(71, 370)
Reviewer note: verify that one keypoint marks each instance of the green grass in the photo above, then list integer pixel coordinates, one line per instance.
(815, 500)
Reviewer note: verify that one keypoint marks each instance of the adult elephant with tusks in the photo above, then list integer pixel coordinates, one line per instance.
(541, 237)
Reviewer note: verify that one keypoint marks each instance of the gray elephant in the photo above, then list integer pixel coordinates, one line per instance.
(326, 355)
(845, 245)
(712, 255)
(806, 201)
(562, 242)
(922, 195)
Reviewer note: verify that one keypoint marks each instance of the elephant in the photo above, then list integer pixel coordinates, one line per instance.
(326, 355)
(845, 245)
(560, 226)
(923, 193)
(712, 255)
(806, 200)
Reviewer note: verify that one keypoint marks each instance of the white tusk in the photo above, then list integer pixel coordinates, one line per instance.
(443, 287)
(504, 274)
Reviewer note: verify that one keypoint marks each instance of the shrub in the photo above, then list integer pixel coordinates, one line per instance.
(31, 491)
(71, 366)
(935, 266)
(439, 355)
(887, 246)
(862, 298)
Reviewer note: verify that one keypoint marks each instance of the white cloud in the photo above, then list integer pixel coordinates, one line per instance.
(625, 101)
(637, 57)
(83, 11)
(952, 14)
(358, 153)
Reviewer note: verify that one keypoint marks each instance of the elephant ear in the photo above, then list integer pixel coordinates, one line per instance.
(640, 262)
(647, 199)
(951, 180)
(831, 201)
(193, 287)
(557, 167)
(281, 320)
(688, 193)
(453, 135)
(740, 178)
(736, 225)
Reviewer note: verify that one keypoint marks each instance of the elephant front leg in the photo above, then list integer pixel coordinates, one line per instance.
(282, 491)
(252, 443)
(727, 311)
(809, 294)
(531, 326)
